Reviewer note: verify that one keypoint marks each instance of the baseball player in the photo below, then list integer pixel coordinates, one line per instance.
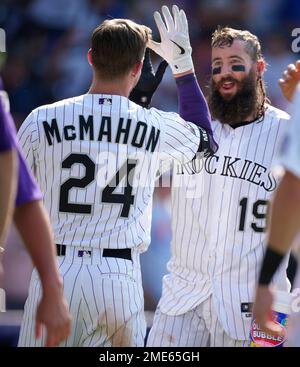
(8, 183)
(96, 157)
(32, 222)
(219, 231)
(285, 218)
(8, 177)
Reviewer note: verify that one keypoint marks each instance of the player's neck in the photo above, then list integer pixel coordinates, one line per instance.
(252, 116)
(120, 87)
(248, 120)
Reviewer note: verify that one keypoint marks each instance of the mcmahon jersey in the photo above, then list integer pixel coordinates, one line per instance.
(96, 158)
(219, 208)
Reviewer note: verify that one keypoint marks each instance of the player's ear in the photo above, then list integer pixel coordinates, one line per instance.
(261, 66)
(89, 56)
(137, 69)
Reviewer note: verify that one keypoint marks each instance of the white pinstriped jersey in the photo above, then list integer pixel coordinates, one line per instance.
(84, 149)
(218, 221)
(290, 149)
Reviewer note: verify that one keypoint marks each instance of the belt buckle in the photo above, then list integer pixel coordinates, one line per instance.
(84, 253)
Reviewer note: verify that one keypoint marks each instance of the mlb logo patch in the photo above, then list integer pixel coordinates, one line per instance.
(246, 310)
(84, 253)
(105, 101)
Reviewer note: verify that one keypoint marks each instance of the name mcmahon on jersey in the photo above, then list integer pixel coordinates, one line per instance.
(86, 131)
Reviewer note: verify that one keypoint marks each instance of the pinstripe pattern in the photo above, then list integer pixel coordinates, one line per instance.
(92, 289)
(231, 201)
(211, 254)
(27, 330)
(197, 328)
(105, 295)
(176, 140)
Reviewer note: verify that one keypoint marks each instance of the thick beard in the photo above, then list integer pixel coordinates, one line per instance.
(239, 107)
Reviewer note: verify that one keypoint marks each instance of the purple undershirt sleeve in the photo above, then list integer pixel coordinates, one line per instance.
(7, 132)
(28, 189)
(193, 106)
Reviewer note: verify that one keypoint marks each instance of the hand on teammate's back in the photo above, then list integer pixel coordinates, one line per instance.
(289, 80)
(175, 45)
(148, 82)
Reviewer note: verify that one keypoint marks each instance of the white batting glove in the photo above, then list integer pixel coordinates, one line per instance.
(175, 45)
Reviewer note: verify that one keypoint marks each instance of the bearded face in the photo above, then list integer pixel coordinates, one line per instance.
(236, 91)
(237, 107)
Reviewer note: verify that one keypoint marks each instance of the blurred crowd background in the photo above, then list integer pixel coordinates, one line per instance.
(46, 44)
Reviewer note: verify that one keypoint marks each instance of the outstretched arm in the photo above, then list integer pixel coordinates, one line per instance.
(193, 106)
(175, 48)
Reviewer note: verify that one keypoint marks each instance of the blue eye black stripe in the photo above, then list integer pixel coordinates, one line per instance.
(216, 70)
(238, 68)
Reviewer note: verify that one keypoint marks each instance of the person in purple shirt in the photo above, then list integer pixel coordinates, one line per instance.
(20, 197)
(8, 176)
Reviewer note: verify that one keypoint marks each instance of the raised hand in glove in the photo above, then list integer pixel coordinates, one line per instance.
(148, 82)
(175, 45)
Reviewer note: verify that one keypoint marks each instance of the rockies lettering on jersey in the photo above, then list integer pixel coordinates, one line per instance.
(219, 209)
(234, 167)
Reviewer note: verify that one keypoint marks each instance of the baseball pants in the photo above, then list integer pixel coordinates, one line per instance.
(199, 327)
(105, 298)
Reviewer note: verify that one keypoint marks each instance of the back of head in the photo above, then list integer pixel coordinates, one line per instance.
(117, 45)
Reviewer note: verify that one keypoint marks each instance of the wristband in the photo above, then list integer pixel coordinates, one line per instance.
(270, 264)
